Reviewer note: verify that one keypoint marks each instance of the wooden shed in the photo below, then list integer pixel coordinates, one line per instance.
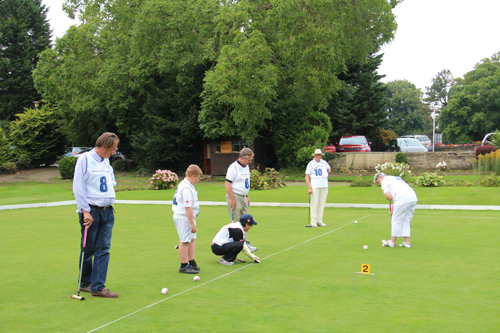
(219, 154)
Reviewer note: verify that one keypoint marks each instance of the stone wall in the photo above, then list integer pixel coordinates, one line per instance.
(368, 161)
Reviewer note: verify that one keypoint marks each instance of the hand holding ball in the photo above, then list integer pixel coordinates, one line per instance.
(196, 278)
(164, 291)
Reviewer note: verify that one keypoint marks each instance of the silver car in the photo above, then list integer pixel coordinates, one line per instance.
(424, 139)
(406, 145)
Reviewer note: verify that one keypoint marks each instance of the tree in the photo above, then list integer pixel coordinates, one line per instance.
(407, 113)
(24, 33)
(37, 133)
(439, 92)
(474, 102)
(359, 105)
(250, 52)
(5, 153)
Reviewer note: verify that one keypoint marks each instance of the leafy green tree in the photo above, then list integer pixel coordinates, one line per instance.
(407, 113)
(359, 105)
(24, 33)
(5, 153)
(37, 134)
(107, 73)
(439, 92)
(474, 103)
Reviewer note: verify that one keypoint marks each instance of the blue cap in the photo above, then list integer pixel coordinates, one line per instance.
(247, 218)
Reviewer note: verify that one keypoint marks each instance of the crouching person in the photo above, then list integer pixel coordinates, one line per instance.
(230, 240)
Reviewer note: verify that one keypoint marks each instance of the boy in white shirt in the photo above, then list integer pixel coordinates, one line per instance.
(186, 208)
(405, 202)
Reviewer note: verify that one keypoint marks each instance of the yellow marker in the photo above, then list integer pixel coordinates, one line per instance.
(365, 269)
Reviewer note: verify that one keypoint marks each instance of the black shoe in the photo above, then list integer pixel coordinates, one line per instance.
(196, 268)
(188, 270)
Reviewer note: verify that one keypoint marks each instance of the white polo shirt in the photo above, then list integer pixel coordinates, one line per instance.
(401, 192)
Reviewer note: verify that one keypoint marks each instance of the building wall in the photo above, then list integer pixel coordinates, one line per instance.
(220, 162)
(368, 161)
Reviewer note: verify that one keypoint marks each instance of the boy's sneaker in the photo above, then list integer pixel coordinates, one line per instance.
(224, 262)
(321, 224)
(388, 243)
(250, 247)
(188, 270)
(404, 244)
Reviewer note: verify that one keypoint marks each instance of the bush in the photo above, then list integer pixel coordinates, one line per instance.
(483, 150)
(123, 165)
(381, 138)
(270, 179)
(24, 162)
(67, 167)
(394, 169)
(5, 151)
(488, 163)
(490, 181)
(430, 180)
(401, 158)
(360, 182)
(163, 180)
(9, 167)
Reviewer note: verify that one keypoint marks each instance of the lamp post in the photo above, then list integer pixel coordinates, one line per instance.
(434, 115)
(37, 104)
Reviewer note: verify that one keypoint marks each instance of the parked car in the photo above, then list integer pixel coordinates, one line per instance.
(424, 139)
(487, 139)
(406, 145)
(354, 143)
(117, 155)
(73, 151)
(330, 148)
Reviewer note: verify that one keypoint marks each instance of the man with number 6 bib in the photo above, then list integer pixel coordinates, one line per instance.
(238, 186)
(317, 172)
(93, 187)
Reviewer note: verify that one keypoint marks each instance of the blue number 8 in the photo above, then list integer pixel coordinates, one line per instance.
(103, 187)
(247, 184)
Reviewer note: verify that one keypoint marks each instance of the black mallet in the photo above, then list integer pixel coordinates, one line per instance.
(78, 297)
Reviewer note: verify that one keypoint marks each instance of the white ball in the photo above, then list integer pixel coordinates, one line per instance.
(355, 221)
(164, 291)
(365, 247)
(196, 278)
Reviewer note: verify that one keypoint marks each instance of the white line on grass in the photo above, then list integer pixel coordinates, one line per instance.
(217, 278)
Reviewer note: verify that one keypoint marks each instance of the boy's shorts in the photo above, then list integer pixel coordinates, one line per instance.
(184, 230)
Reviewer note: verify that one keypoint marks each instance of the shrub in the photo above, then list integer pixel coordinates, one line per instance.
(488, 163)
(270, 179)
(430, 180)
(490, 181)
(67, 167)
(381, 138)
(483, 150)
(24, 162)
(360, 182)
(5, 151)
(345, 170)
(9, 167)
(123, 165)
(163, 180)
(401, 158)
(394, 169)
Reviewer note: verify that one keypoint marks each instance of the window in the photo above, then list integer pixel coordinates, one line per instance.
(228, 147)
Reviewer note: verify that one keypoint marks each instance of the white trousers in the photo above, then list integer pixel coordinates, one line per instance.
(318, 200)
(401, 218)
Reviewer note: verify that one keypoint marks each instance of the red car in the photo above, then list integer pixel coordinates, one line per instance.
(354, 144)
(330, 148)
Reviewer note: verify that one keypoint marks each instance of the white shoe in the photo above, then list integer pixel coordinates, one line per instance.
(321, 224)
(250, 247)
(224, 262)
(388, 243)
(404, 244)
(314, 225)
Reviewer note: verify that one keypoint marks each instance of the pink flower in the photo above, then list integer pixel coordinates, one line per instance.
(151, 182)
(156, 187)
(171, 186)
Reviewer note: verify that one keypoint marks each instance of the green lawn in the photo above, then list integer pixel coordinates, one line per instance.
(22, 193)
(447, 282)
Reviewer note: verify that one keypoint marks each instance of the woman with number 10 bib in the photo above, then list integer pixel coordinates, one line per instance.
(317, 181)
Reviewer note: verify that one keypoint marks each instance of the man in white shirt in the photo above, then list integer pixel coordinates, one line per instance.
(405, 202)
(237, 187)
(317, 172)
(93, 187)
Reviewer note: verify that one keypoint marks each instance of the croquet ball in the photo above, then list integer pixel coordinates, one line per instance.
(355, 221)
(196, 278)
(365, 247)
(176, 247)
(164, 291)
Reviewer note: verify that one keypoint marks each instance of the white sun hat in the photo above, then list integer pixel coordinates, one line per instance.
(317, 152)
